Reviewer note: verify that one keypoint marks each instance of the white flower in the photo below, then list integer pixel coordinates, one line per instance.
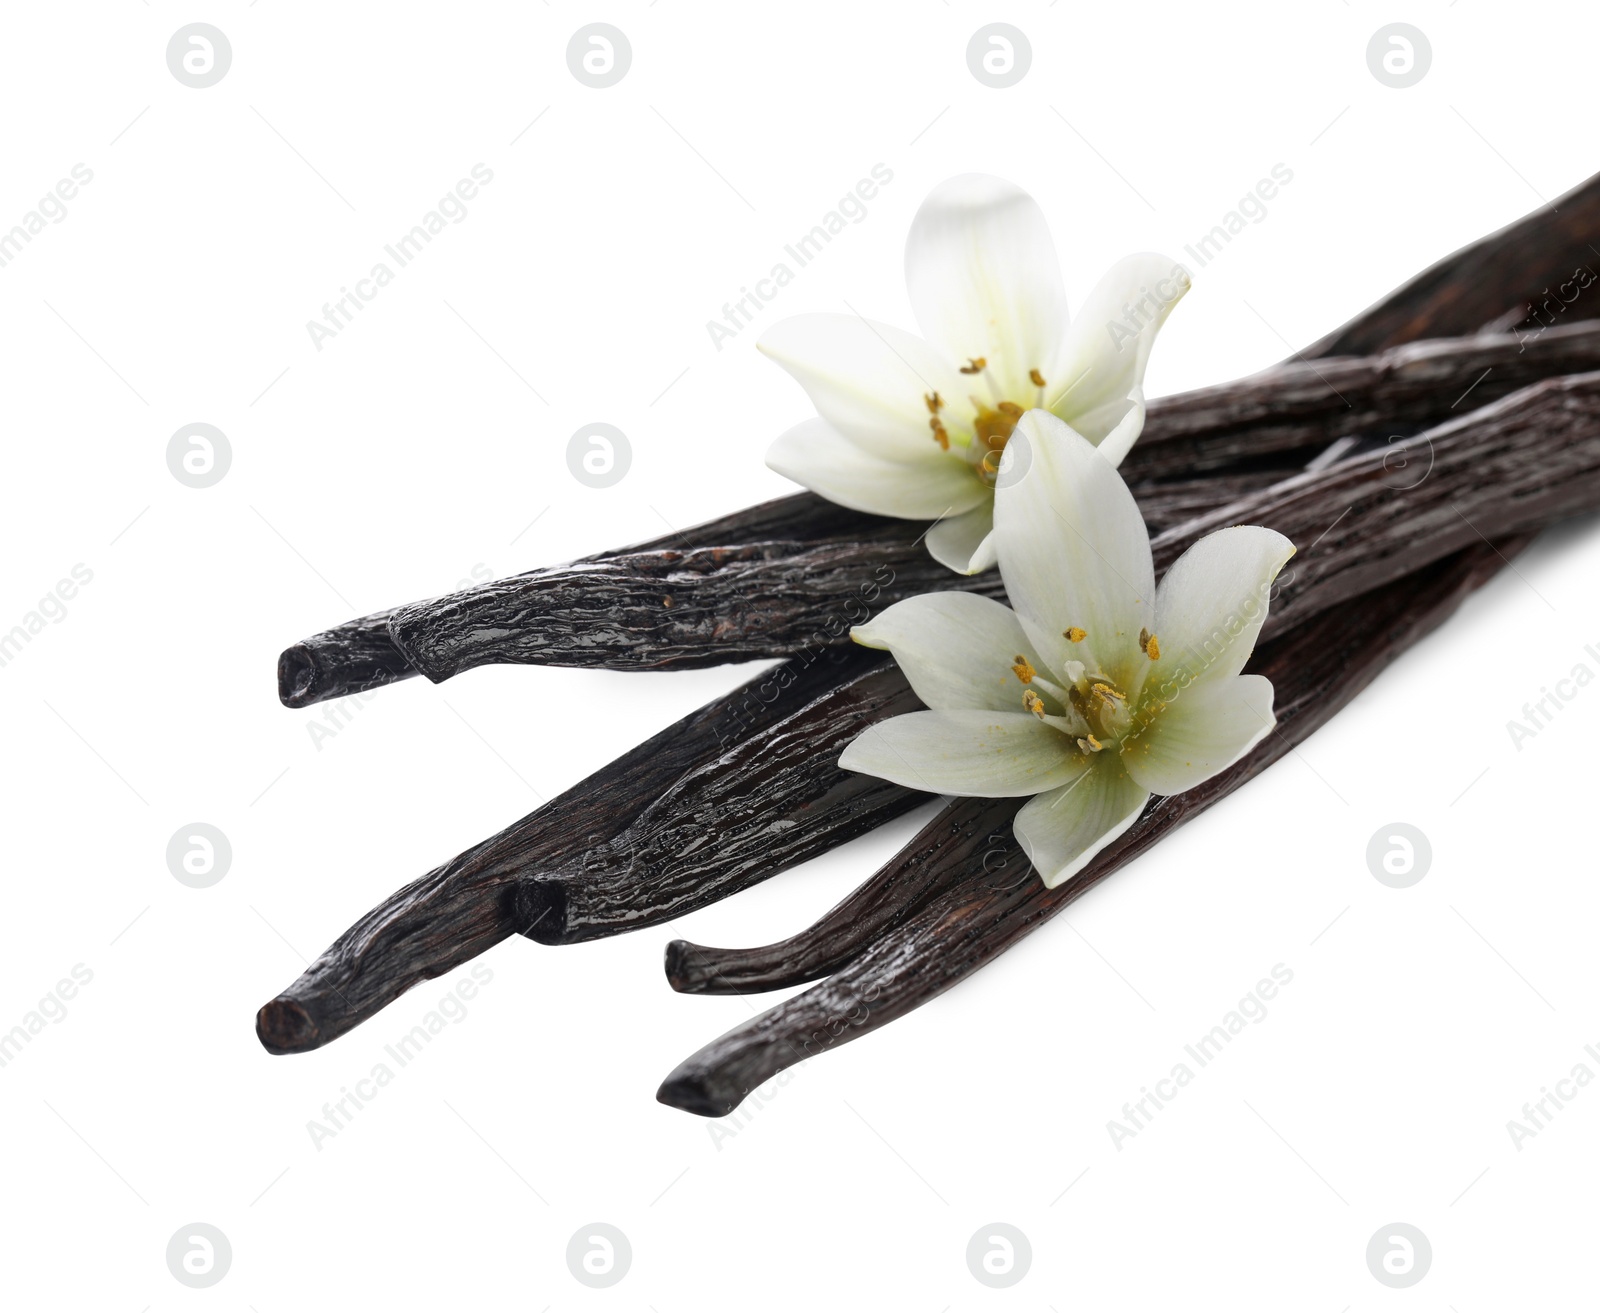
(914, 427)
(1099, 689)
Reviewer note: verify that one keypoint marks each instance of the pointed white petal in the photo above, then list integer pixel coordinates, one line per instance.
(1202, 731)
(1121, 421)
(1074, 552)
(955, 648)
(1061, 831)
(984, 279)
(869, 380)
(966, 542)
(817, 456)
(972, 754)
(1213, 601)
(1108, 345)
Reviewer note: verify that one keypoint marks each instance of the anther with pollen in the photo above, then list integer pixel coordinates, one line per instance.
(1074, 635)
(1033, 702)
(975, 365)
(1023, 669)
(1148, 645)
(1036, 378)
(1109, 694)
(1090, 744)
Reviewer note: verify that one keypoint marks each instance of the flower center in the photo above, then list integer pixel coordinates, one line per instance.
(992, 422)
(1091, 710)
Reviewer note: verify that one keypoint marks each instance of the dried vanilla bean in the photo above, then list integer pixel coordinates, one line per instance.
(668, 605)
(695, 816)
(1300, 405)
(732, 793)
(1523, 265)
(918, 946)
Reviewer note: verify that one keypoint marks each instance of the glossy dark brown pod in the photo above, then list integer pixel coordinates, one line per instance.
(926, 935)
(731, 794)
(1512, 267)
(671, 605)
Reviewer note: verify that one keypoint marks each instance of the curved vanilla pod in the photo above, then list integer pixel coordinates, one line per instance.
(771, 581)
(353, 658)
(1533, 268)
(968, 834)
(1316, 670)
(736, 792)
(1512, 467)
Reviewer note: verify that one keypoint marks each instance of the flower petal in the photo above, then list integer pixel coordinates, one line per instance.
(1202, 731)
(984, 279)
(869, 380)
(1121, 421)
(1213, 601)
(1074, 552)
(966, 542)
(817, 456)
(1108, 344)
(972, 754)
(1063, 829)
(955, 648)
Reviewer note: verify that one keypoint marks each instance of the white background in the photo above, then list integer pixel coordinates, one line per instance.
(423, 441)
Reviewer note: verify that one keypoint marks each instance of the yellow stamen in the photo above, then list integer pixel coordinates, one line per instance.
(934, 402)
(1033, 702)
(1075, 635)
(975, 365)
(1036, 378)
(1023, 669)
(1109, 693)
(1090, 744)
(940, 434)
(1152, 649)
